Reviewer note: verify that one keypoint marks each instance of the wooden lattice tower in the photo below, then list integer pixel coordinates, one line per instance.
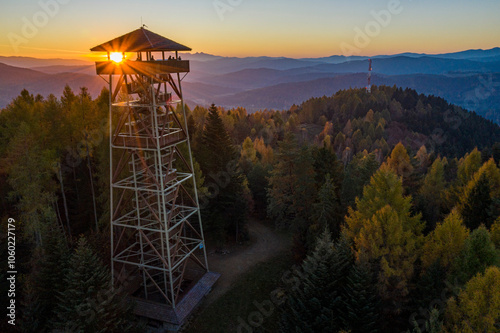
(156, 228)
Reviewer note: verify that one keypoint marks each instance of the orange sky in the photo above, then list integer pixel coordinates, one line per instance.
(69, 28)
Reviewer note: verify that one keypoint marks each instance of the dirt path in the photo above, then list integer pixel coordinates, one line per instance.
(267, 243)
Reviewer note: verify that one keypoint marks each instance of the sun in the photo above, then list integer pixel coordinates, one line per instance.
(116, 57)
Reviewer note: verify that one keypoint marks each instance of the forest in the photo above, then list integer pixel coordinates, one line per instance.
(391, 200)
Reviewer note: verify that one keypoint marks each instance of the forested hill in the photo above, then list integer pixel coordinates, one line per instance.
(343, 163)
(354, 120)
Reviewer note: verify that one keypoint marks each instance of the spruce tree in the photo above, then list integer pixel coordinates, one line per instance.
(217, 144)
(305, 191)
(314, 293)
(258, 183)
(327, 163)
(477, 202)
(430, 286)
(357, 175)
(343, 262)
(361, 300)
(292, 192)
(281, 191)
(88, 303)
(32, 319)
(48, 282)
(430, 195)
(327, 210)
(225, 213)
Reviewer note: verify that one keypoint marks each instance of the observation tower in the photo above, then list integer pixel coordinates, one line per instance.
(157, 242)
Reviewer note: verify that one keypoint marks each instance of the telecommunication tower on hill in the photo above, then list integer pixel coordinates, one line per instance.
(369, 86)
(157, 240)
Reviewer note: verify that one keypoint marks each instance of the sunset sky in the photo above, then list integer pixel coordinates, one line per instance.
(241, 28)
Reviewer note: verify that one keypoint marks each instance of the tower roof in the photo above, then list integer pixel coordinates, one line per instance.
(140, 40)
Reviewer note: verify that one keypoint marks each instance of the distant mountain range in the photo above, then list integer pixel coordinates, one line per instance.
(14, 79)
(28, 62)
(469, 78)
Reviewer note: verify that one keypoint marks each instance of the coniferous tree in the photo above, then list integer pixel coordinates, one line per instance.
(477, 254)
(226, 211)
(357, 175)
(303, 196)
(47, 279)
(307, 308)
(197, 172)
(258, 184)
(432, 325)
(217, 141)
(281, 188)
(35, 132)
(445, 242)
(339, 143)
(30, 175)
(423, 158)
(88, 303)
(248, 155)
(102, 184)
(430, 196)
(361, 300)
(468, 166)
(32, 319)
(495, 152)
(327, 163)
(192, 128)
(315, 292)
(495, 233)
(430, 286)
(479, 204)
(305, 190)
(476, 205)
(386, 235)
(385, 188)
(399, 161)
(343, 263)
(327, 211)
(291, 185)
(477, 307)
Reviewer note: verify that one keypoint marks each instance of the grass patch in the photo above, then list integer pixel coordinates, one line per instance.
(256, 285)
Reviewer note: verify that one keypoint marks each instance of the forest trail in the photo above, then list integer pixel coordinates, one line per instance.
(267, 244)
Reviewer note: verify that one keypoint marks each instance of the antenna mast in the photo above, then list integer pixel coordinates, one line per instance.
(369, 86)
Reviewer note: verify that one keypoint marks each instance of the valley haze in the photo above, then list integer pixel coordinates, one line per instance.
(470, 78)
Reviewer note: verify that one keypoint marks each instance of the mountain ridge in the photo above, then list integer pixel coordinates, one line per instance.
(14, 79)
(279, 82)
(478, 53)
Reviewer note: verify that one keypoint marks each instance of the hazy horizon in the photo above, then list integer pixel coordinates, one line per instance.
(68, 29)
(88, 59)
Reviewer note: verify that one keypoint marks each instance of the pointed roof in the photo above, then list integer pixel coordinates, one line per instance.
(140, 40)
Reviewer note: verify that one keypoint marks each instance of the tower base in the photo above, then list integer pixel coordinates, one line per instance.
(163, 317)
